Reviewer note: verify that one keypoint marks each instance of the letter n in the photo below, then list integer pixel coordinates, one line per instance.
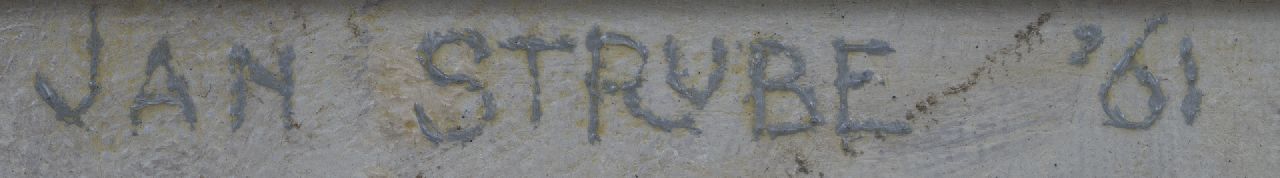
(245, 69)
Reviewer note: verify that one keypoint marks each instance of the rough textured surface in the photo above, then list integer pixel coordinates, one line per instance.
(446, 89)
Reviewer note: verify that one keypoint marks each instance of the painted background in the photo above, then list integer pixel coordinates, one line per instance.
(985, 86)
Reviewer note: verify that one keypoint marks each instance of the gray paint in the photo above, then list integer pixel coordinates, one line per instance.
(879, 127)
(436, 135)
(847, 80)
(241, 64)
(632, 99)
(176, 84)
(1157, 99)
(1091, 38)
(595, 41)
(532, 46)
(1190, 103)
(63, 111)
(698, 97)
(761, 49)
(428, 47)
(434, 41)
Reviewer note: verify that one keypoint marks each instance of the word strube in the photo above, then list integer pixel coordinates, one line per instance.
(597, 86)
